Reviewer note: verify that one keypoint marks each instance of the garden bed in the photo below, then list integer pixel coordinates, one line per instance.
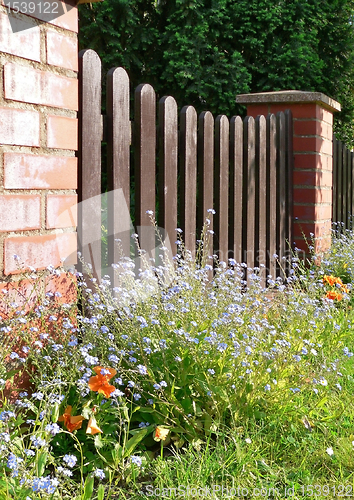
(196, 385)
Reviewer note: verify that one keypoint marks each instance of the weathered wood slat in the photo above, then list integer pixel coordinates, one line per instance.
(205, 172)
(188, 174)
(249, 204)
(261, 196)
(271, 193)
(339, 182)
(145, 163)
(221, 187)
(90, 132)
(281, 191)
(335, 175)
(348, 189)
(344, 187)
(168, 163)
(289, 158)
(236, 183)
(352, 193)
(118, 132)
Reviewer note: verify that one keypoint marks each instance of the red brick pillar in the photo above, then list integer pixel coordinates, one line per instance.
(38, 138)
(313, 157)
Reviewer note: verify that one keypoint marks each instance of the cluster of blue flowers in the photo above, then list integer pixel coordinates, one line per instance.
(43, 484)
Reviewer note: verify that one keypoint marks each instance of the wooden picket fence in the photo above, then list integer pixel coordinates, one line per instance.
(242, 168)
(343, 177)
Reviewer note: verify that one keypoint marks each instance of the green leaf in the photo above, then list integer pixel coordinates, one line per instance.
(134, 441)
(148, 429)
(98, 441)
(207, 423)
(88, 489)
(249, 388)
(187, 405)
(18, 442)
(10, 374)
(42, 460)
(86, 410)
(100, 493)
(117, 453)
(147, 410)
(173, 388)
(321, 403)
(125, 412)
(55, 413)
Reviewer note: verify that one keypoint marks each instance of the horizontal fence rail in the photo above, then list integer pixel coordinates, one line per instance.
(343, 174)
(182, 166)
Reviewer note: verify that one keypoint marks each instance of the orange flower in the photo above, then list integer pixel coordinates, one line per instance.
(333, 295)
(100, 383)
(332, 280)
(344, 288)
(160, 434)
(92, 427)
(71, 423)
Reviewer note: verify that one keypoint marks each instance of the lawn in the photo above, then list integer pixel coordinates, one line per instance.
(180, 384)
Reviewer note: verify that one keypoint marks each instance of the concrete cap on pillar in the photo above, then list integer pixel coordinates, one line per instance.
(290, 97)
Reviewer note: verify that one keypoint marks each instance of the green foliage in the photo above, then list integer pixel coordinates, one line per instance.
(204, 53)
(207, 366)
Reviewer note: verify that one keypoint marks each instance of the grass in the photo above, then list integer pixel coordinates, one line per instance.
(207, 389)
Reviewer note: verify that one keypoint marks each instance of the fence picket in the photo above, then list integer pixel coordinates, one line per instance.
(236, 183)
(352, 194)
(188, 169)
(205, 171)
(344, 187)
(348, 190)
(281, 190)
(271, 193)
(90, 133)
(335, 175)
(261, 195)
(339, 181)
(289, 160)
(249, 205)
(145, 167)
(221, 186)
(168, 143)
(118, 165)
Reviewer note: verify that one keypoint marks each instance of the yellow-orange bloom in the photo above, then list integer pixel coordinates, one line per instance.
(100, 383)
(160, 434)
(332, 280)
(72, 423)
(333, 295)
(92, 427)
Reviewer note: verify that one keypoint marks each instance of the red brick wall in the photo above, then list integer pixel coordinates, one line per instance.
(38, 140)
